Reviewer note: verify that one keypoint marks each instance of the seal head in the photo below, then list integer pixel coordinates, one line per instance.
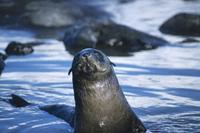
(90, 63)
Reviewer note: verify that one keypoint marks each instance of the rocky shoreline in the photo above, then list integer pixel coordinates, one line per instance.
(86, 26)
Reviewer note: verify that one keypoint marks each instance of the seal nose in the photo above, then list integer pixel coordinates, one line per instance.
(86, 55)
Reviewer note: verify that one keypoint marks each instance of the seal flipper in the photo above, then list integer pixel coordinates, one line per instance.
(61, 111)
(17, 101)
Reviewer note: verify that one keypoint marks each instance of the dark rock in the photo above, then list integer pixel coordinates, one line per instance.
(3, 56)
(190, 0)
(18, 101)
(182, 24)
(113, 39)
(48, 18)
(2, 65)
(10, 11)
(17, 48)
(189, 40)
(48, 13)
(79, 37)
(125, 1)
(63, 13)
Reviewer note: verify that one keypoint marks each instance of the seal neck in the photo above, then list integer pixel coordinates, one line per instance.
(100, 103)
(100, 90)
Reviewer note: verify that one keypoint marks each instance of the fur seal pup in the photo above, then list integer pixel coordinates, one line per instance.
(100, 105)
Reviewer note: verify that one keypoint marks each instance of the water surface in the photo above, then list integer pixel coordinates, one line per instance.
(162, 85)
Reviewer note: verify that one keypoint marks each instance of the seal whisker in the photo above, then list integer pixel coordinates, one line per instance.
(113, 64)
(70, 70)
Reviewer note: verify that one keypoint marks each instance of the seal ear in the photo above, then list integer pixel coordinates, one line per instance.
(70, 70)
(112, 63)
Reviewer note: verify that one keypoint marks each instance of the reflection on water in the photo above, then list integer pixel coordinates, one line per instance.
(161, 85)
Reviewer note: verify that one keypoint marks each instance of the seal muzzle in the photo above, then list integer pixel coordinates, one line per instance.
(90, 61)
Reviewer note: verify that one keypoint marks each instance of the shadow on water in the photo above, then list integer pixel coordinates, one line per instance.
(172, 108)
(30, 120)
(180, 123)
(16, 82)
(161, 71)
(138, 91)
(171, 117)
(37, 66)
(40, 95)
(150, 92)
(185, 92)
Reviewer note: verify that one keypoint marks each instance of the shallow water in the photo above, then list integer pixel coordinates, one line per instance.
(162, 85)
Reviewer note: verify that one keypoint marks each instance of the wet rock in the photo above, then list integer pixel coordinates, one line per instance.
(62, 13)
(48, 13)
(182, 24)
(10, 12)
(48, 18)
(189, 40)
(113, 39)
(2, 65)
(17, 48)
(79, 37)
(125, 1)
(3, 57)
